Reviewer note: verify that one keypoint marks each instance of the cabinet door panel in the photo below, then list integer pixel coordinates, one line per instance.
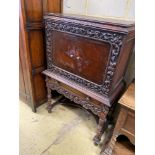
(31, 12)
(80, 56)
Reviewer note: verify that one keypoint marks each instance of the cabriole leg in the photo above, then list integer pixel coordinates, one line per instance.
(99, 133)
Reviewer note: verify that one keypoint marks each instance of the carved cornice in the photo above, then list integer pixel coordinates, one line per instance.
(85, 29)
(77, 99)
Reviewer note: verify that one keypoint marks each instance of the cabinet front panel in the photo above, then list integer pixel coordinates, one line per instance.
(84, 57)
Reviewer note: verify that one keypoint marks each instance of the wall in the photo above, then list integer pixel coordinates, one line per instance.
(122, 9)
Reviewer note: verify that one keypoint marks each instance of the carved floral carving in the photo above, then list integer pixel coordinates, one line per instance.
(77, 99)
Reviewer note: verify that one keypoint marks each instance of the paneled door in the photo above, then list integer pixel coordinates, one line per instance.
(32, 59)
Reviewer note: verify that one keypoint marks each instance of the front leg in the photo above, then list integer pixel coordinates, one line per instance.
(101, 124)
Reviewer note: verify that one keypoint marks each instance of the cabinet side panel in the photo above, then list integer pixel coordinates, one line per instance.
(123, 62)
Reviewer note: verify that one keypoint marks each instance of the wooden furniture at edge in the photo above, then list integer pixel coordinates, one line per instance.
(32, 62)
(86, 61)
(125, 124)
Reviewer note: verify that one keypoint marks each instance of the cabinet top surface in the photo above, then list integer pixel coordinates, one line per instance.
(107, 21)
(128, 98)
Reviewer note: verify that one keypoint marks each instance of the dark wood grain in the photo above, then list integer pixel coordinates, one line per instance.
(54, 6)
(76, 55)
(34, 10)
(25, 87)
(32, 49)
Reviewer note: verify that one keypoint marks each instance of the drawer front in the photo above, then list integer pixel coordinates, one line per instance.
(81, 56)
(78, 97)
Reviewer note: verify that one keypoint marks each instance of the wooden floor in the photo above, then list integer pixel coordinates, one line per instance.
(66, 131)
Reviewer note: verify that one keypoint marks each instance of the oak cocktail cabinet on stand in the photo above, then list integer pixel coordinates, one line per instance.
(86, 61)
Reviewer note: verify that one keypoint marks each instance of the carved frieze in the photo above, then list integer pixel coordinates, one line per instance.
(77, 99)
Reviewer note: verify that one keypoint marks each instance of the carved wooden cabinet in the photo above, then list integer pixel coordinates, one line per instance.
(86, 61)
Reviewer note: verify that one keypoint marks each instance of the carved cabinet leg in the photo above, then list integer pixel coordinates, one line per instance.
(99, 133)
(49, 97)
